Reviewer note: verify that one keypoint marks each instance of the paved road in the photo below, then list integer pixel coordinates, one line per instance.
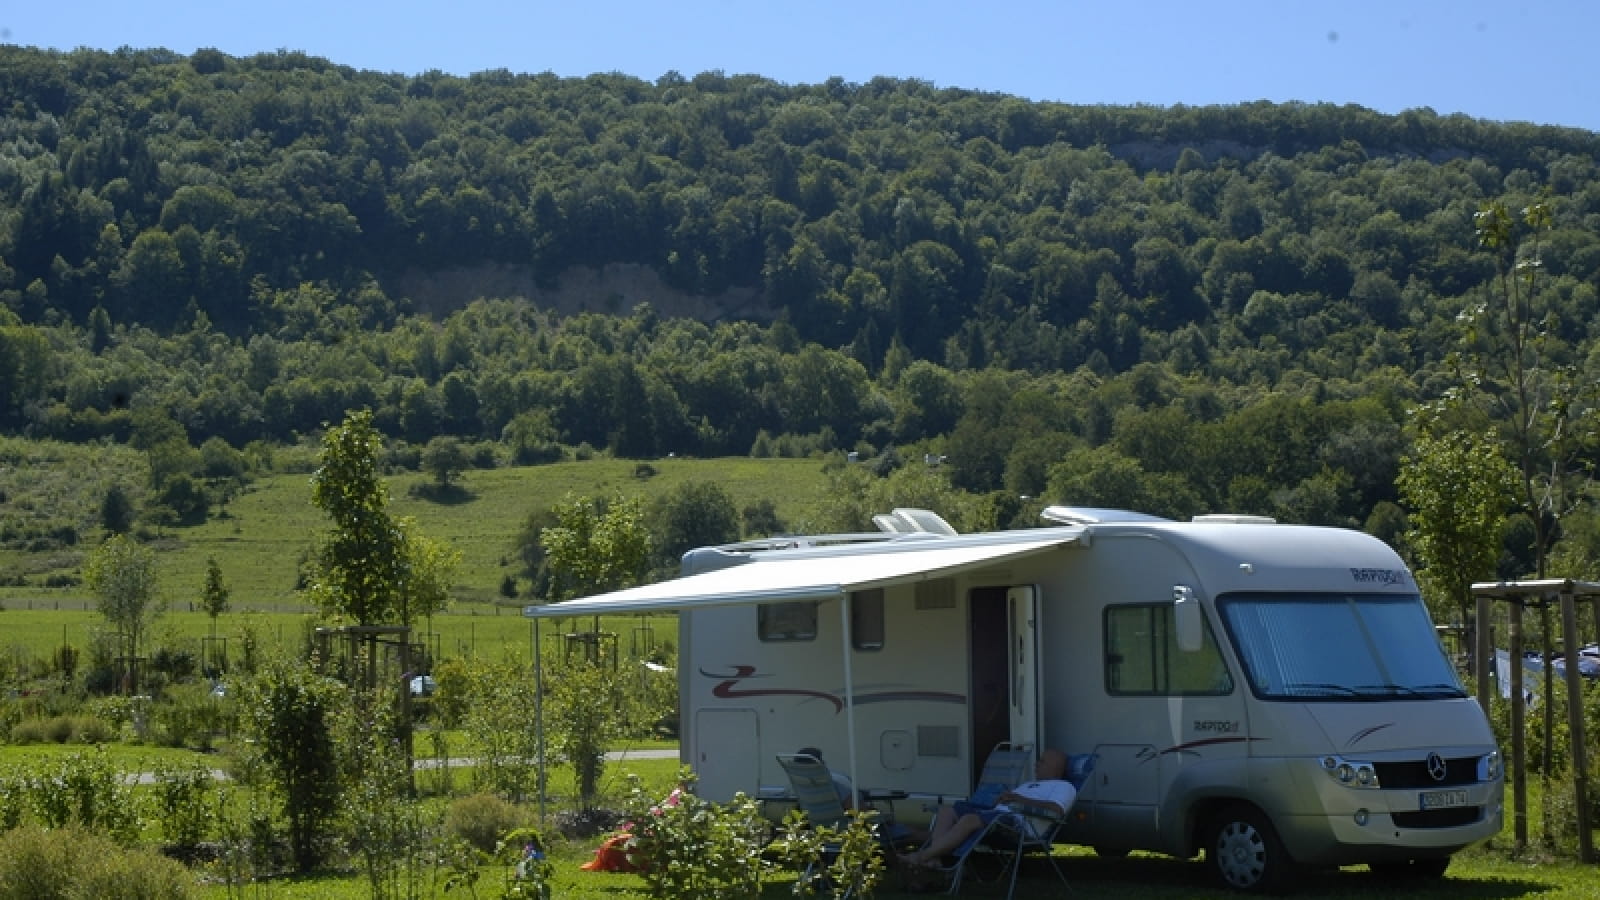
(456, 762)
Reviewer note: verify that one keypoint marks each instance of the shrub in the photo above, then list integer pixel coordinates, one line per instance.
(291, 713)
(531, 871)
(63, 730)
(533, 454)
(484, 455)
(117, 710)
(499, 717)
(37, 864)
(190, 717)
(696, 848)
(83, 789)
(585, 713)
(92, 730)
(74, 864)
(856, 867)
(28, 731)
(183, 801)
(481, 820)
(132, 875)
(384, 829)
(13, 798)
(58, 730)
(178, 665)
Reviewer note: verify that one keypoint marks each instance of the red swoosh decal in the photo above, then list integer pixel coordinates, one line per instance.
(1184, 748)
(726, 690)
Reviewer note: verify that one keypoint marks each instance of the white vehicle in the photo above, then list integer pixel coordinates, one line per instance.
(1273, 696)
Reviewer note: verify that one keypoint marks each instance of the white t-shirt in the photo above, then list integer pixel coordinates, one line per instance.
(1061, 793)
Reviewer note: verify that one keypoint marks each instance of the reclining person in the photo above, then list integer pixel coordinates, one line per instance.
(1050, 792)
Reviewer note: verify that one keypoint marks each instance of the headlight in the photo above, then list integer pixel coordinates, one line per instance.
(1489, 766)
(1351, 773)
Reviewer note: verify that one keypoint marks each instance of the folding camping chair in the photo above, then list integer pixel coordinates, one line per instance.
(816, 796)
(1006, 766)
(814, 791)
(1011, 834)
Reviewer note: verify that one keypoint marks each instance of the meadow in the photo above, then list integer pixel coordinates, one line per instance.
(262, 536)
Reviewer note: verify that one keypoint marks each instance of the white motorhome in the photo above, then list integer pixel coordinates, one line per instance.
(1272, 696)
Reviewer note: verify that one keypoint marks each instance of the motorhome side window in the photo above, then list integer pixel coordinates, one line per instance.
(787, 621)
(1143, 657)
(866, 619)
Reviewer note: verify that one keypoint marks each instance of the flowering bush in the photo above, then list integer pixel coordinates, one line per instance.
(696, 849)
(831, 861)
(531, 870)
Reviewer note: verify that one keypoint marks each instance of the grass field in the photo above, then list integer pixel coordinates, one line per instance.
(1485, 874)
(473, 630)
(262, 537)
(263, 534)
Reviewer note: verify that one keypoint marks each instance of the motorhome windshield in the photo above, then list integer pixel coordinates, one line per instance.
(1369, 647)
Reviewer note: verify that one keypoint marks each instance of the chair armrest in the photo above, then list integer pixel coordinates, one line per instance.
(1033, 811)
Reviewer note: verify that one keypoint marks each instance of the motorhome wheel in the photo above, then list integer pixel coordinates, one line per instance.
(1244, 850)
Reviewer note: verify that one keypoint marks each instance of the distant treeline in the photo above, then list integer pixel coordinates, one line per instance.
(1194, 308)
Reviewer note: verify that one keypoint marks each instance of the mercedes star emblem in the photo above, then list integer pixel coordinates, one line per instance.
(1436, 767)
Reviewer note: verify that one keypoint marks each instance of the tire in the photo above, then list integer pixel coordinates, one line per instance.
(1244, 852)
(1412, 869)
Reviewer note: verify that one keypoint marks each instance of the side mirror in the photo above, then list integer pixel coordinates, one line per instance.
(1186, 618)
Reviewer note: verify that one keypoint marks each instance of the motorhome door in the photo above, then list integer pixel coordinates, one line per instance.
(1022, 611)
(1003, 693)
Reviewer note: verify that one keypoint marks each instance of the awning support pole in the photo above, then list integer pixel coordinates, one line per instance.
(849, 692)
(538, 716)
(1519, 779)
(1580, 765)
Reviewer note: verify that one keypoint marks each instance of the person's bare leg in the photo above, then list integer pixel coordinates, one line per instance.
(945, 840)
(942, 820)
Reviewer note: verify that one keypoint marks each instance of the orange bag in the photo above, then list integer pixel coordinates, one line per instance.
(611, 856)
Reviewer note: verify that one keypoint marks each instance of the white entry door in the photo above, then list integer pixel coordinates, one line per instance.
(1022, 610)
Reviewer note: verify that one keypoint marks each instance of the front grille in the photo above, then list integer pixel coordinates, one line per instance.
(1414, 774)
(1439, 818)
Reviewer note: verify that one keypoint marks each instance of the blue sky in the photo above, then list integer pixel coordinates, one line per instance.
(1508, 60)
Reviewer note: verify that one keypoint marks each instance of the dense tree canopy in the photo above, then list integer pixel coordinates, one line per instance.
(1190, 308)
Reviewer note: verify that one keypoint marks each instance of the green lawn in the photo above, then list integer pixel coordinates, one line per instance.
(1486, 873)
(1480, 875)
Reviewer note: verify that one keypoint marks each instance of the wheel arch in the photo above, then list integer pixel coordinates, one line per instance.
(1199, 814)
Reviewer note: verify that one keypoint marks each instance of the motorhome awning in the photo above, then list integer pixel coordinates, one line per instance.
(805, 578)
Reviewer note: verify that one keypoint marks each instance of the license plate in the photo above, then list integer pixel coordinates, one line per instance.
(1442, 799)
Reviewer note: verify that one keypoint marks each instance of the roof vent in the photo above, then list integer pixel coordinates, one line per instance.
(891, 525)
(906, 520)
(1235, 519)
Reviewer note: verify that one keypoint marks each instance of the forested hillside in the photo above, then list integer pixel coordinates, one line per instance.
(1183, 310)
